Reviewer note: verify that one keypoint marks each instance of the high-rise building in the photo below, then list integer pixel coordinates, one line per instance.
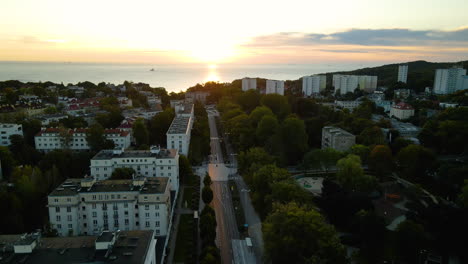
(349, 83)
(403, 73)
(274, 87)
(462, 83)
(88, 207)
(447, 80)
(337, 138)
(249, 83)
(313, 84)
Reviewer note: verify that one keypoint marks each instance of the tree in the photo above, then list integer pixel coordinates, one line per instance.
(30, 128)
(361, 151)
(351, 175)
(140, 132)
(7, 161)
(294, 139)
(415, 162)
(122, 173)
(410, 240)
(464, 195)
(159, 125)
(381, 160)
(277, 103)
(207, 180)
(296, 234)
(248, 100)
(371, 136)
(96, 138)
(207, 194)
(266, 128)
(321, 159)
(23, 153)
(258, 113)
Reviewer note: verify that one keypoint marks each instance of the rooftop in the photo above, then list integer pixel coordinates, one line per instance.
(55, 130)
(337, 131)
(130, 247)
(403, 106)
(179, 125)
(151, 185)
(107, 154)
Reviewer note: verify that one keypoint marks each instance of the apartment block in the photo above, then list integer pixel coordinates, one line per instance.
(49, 139)
(447, 80)
(274, 87)
(337, 138)
(7, 130)
(403, 73)
(402, 111)
(146, 163)
(89, 207)
(349, 83)
(249, 84)
(313, 84)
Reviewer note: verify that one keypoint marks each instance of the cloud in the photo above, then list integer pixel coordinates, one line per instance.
(366, 37)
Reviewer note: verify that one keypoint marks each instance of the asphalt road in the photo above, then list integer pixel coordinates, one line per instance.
(222, 201)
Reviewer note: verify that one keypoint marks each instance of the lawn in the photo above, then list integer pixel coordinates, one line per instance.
(184, 242)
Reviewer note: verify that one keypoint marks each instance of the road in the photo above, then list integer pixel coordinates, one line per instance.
(222, 201)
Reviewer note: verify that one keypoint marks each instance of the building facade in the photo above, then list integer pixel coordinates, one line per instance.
(49, 139)
(349, 83)
(446, 80)
(89, 207)
(403, 73)
(313, 84)
(249, 83)
(7, 130)
(462, 83)
(402, 111)
(274, 87)
(350, 105)
(146, 163)
(337, 138)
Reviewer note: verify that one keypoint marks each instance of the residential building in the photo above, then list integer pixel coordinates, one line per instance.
(155, 162)
(337, 138)
(136, 246)
(274, 87)
(47, 119)
(88, 207)
(402, 111)
(403, 73)
(49, 139)
(406, 130)
(178, 135)
(249, 83)
(350, 105)
(313, 84)
(401, 93)
(446, 80)
(197, 96)
(462, 83)
(349, 83)
(7, 130)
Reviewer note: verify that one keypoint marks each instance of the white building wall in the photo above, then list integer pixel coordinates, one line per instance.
(403, 73)
(446, 80)
(249, 83)
(274, 87)
(7, 130)
(313, 84)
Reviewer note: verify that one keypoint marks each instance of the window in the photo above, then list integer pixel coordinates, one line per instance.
(69, 200)
(147, 215)
(95, 222)
(69, 218)
(157, 232)
(94, 206)
(68, 209)
(84, 216)
(94, 197)
(145, 198)
(94, 214)
(147, 224)
(126, 222)
(116, 222)
(156, 206)
(156, 214)
(146, 207)
(157, 223)
(57, 209)
(70, 226)
(59, 226)
(125, 205)
(57, 218)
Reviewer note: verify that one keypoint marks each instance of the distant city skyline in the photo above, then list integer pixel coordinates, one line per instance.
(213, 32)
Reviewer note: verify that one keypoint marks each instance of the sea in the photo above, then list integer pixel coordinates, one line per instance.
(173, 77)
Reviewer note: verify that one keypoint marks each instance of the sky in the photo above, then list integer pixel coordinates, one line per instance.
(240, 31)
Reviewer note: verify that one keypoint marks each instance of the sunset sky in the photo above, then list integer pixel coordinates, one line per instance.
(206, 31)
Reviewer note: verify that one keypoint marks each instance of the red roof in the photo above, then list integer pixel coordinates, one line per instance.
(403, 106)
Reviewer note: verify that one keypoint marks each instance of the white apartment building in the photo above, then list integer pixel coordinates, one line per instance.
(178, 134)
(249, 83)
(446, 80)
(274, 87)
(89, 207)
(146, 163)
(349, 83)
(402, 111)
(7, 130)
(313, 84)
(337, 138)
(403, 73)
(52, 138)
(462, 83)
(350, 105)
